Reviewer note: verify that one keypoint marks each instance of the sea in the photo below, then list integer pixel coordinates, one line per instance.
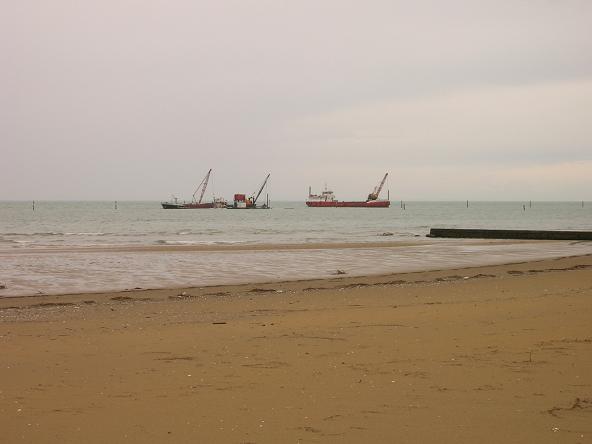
(89, 246)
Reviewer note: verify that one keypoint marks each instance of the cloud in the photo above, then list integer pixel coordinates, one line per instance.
(502, 125)
(130, 99)
(550, 182)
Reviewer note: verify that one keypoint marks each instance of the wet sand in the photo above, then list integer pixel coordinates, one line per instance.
(68, 270)
(175, 248)
(485, 354)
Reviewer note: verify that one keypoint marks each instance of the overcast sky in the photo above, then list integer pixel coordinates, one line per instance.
(120, 99)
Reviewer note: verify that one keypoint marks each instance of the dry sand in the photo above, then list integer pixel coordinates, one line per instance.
(492, 354)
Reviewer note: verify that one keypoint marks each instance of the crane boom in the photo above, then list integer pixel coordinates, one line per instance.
(381, 185)
(203, 185)
(378, 189)
(261, 189)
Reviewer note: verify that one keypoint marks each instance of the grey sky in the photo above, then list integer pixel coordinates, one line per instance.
(137, 99)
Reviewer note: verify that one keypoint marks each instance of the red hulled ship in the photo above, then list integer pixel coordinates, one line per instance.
(327, 199)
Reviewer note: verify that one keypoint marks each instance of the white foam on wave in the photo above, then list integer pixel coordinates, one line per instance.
(176, 242)
(188, 242)
(86, 234)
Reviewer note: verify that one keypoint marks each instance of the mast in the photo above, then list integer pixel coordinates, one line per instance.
(204, 182)
(261, 189)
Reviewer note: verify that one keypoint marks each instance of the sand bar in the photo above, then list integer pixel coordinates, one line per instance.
(485, 354)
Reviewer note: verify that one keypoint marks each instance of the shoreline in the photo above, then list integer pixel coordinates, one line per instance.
(472, 354)
(176, 248)
(76, 271)
(8, 301)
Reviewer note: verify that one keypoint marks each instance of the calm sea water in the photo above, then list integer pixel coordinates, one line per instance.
(145, 223)
(27, 268)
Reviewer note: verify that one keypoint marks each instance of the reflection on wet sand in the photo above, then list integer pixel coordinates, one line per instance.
(57, 271)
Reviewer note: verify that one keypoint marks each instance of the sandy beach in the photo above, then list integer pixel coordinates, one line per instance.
(419, 267)
(485, 354)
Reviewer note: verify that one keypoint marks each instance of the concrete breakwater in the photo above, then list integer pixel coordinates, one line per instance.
(510, 234)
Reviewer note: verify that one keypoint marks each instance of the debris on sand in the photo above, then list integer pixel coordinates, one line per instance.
(51, 304)
(340, 272)
(356, 285)
(482, 275)
(395, 282)
(218, 293)
(579, 403)
(122, 298)
(182, 295)
(449, 278)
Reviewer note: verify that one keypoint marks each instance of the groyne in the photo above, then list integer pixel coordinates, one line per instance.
(477, 233)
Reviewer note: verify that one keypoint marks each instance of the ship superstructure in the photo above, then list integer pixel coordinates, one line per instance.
(241, 201)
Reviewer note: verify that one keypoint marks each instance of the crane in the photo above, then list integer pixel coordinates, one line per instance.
(377, 189)
(260, 189)
(202, 185)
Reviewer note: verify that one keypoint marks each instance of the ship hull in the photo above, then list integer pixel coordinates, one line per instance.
(350, 204)
(173, 206)
(263, 207)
